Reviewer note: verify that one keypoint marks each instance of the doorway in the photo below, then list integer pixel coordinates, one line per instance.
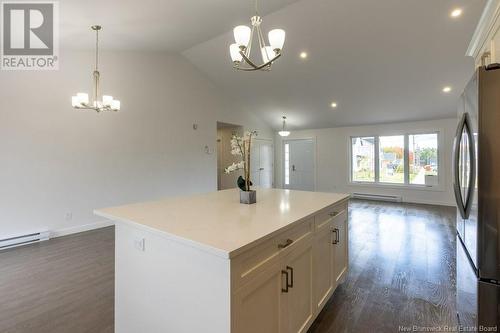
(261, 163)
(224, 158)
(298, 163)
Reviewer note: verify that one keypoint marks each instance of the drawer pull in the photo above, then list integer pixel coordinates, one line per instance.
(288, 268)
(333, 214)
(287, 243)
(284, 290)
(336, 240)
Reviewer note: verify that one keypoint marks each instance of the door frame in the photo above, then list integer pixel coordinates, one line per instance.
(271, 143)
(315, 164)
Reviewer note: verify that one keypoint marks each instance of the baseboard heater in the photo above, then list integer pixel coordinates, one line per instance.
(377, 197)
(7, 243)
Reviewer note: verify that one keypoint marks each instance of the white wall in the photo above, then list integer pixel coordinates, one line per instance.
(59, 164)
(332, 160)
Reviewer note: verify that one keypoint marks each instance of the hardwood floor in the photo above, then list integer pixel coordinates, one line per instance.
(64, 285)
(402, 270)
(402, 273)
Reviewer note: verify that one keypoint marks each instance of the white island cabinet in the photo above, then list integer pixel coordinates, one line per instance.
(207, 263)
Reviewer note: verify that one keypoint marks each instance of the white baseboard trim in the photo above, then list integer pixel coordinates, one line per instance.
(80, 228)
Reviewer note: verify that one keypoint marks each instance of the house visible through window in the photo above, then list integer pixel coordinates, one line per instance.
(410, 159)
(363, 159)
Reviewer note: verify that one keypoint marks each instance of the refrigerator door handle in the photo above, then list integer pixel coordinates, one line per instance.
(472, 169)
(456, 167)
(464, 209)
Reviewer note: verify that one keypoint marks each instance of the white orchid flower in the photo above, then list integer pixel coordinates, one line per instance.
(235, 166)
(240, 146)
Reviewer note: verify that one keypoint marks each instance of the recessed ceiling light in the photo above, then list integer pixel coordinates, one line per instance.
(446, 89)
(303, 55)
(333, 105)
(456, 12)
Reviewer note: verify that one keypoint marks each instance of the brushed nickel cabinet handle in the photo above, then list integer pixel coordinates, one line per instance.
(338, 235)
(284, 290)
(288, 268)
(333, 214)
(287, 243)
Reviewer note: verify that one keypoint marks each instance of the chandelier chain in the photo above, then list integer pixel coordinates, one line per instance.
(97, 50)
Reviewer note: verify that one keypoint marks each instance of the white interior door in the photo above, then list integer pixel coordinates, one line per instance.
(261, 157)
(266, 169)
(299, 164)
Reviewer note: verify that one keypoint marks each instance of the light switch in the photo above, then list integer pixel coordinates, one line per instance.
(140, 244)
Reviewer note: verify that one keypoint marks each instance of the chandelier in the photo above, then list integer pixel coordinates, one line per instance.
(284, 132)
(244, 36)
(81, 100)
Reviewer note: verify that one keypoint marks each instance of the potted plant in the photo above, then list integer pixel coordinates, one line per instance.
(241, 146)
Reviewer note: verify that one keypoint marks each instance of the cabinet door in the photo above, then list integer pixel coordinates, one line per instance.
(341, 259)
(259, 305)
(323, 263)
(299, 299)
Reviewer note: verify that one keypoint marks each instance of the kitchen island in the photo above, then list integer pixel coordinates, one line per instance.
(206, 263)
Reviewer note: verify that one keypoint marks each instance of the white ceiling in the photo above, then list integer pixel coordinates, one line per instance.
(172, 25)
(381, 61)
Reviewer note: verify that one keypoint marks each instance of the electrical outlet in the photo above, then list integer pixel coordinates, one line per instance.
(140, 244)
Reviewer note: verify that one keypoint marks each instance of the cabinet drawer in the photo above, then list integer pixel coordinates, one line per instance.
(332, 212)
(254, 261)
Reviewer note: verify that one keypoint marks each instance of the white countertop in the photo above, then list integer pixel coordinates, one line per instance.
(216, 222)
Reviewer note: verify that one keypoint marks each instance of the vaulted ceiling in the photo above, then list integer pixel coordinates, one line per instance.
(380, 61)
(165, 25)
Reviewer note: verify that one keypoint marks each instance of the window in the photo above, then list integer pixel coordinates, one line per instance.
(391, 159)
(409, 159)
(363, 159)
(287, 164)
(423, 157)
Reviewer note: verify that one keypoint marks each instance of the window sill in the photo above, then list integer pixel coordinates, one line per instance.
(438, 188)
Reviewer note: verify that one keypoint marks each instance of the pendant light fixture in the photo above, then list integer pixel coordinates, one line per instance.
(284, 132)
(241, 50)
(81, 100)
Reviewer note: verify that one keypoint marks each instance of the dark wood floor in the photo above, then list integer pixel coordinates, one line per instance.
(64, 285)
(402, 273)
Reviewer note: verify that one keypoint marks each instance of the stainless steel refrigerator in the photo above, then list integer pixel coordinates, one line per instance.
(476, 175)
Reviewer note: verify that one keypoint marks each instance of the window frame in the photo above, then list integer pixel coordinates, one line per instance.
(406, 155)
